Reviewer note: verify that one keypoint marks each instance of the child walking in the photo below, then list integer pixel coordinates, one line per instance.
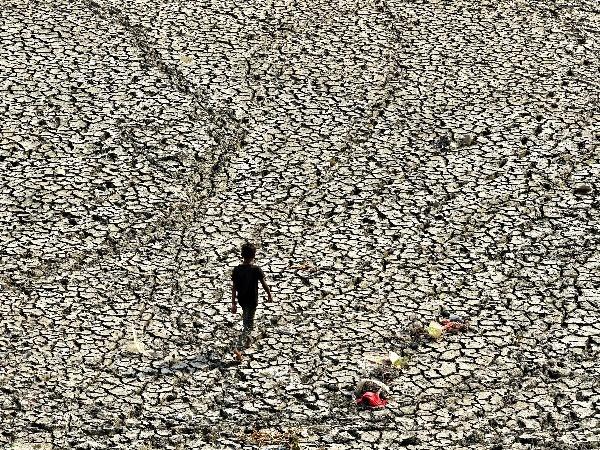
(245, 278)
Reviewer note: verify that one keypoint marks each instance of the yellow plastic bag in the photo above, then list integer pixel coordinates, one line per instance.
(398, 361)
(435, 330)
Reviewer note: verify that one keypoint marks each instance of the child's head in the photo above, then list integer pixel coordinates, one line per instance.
(248, 251)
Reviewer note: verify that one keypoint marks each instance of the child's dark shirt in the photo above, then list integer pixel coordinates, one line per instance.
(245, 280)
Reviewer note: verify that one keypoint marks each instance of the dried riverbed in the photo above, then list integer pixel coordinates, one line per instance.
(388, 158)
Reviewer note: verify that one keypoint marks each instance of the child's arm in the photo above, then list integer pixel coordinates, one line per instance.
(233, 304)
(266, 288)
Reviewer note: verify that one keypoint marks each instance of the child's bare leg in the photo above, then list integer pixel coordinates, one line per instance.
(248, 318)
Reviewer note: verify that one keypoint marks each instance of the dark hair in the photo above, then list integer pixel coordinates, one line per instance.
(248, 251)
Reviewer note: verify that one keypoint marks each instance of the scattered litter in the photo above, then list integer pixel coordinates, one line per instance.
(445, 314)
(371, 399)
(446, 322)
(375, 358)
(371, 385)
(397, 361)
(383, 367)
(305, 265)
(435, 330)
(454, 325)
(392, 359)
(136, 346)
(416, 328)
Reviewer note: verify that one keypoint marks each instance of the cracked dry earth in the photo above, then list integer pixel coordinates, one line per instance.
(389, 157)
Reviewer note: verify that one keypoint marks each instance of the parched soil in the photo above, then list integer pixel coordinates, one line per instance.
(389, 158)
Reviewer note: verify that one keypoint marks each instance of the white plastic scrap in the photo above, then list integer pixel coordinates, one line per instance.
(136, 346)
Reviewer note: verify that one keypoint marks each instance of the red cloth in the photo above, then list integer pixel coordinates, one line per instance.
(453, 326)
(371, 399)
